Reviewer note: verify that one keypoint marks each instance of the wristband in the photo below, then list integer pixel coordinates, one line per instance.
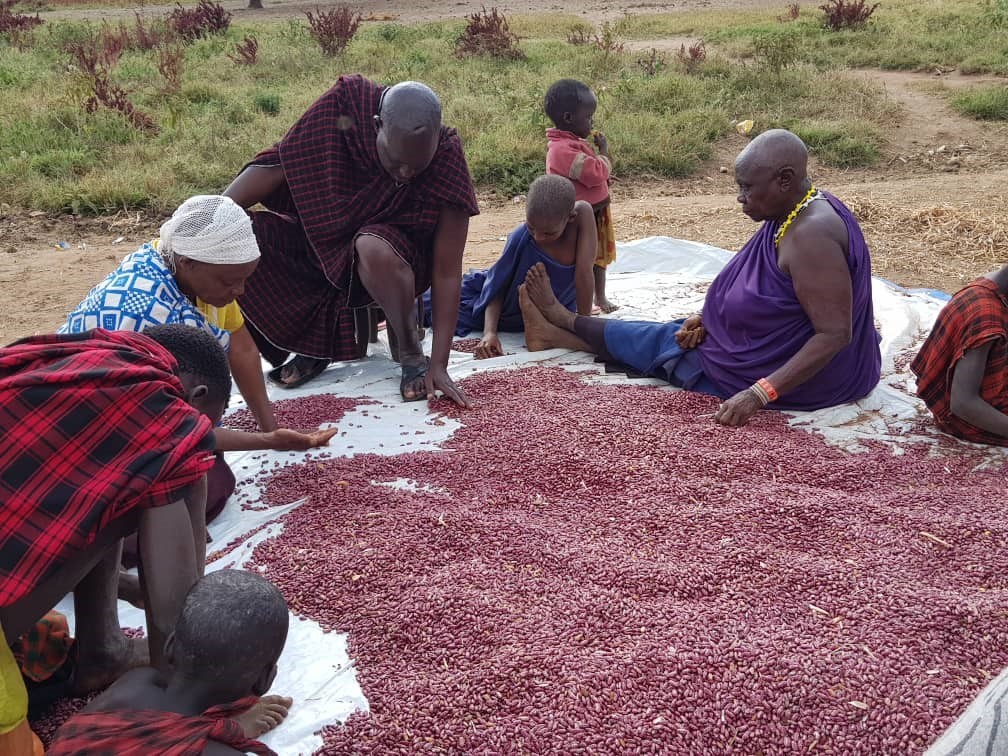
(760, 394)
(768, 388)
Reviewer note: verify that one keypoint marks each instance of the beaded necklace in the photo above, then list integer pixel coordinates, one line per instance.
(805, 202)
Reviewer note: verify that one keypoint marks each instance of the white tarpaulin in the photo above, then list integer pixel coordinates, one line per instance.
(653, 279)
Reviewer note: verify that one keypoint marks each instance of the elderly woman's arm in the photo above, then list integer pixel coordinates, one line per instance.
(817, 263)
(254, 184)
(965, 400)
(246, 367)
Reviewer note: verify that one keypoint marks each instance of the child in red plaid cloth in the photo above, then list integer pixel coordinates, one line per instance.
(223, 655)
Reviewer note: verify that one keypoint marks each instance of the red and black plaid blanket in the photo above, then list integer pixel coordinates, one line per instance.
(300, 296)
(94, 425)
(977, 314)
(142, 733)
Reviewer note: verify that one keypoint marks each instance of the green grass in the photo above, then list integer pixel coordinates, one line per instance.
(986, 103)
(55, 156)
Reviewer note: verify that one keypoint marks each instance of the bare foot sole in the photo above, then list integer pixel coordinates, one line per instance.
(129, 589)
(96, 670)
(606, 306)
(537, 284)
(265, 715)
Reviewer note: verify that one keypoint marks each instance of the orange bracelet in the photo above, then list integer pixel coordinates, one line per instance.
(764, 384)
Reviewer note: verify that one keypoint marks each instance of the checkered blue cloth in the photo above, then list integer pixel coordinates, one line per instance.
(141, 292)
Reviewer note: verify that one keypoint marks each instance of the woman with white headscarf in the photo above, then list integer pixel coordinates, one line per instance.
(192, 274)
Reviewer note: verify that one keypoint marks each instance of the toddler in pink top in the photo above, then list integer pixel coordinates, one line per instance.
(570, 104)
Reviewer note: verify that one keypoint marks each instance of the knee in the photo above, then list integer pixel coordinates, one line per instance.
(374, 252)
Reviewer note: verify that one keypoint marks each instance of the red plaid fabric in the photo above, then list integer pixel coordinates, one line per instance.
(976, 315)
(94, 426)
(299, 295)
(143, 733)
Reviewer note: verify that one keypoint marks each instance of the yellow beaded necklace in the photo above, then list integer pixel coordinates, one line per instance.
(805, 201)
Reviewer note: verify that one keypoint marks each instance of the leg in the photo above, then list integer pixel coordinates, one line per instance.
(600, 296)
(540, 334)
(389, 280)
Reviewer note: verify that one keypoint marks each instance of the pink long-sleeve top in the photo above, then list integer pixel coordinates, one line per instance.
(571, 156)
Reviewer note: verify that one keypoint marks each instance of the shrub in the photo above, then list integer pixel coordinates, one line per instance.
(579, 35)
(608, 44)
(847, 14)
(692, 57)
(651, 63)
(15, 23)
(246, 52)
(983, 103)
(334, 28)
(170, 60)
(268, 103)
(791, 13)
(206, 19)
(488, 33)
(146, 37)
(776, 51)
(95, 58)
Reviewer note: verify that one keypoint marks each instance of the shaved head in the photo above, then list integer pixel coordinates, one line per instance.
(773, 150)
(410, 107)
(409, 130)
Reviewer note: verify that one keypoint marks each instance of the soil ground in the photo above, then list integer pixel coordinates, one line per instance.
(934, 210)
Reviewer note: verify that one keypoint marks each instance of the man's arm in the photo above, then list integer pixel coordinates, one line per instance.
(584, 258)
(246, 367)
(817, 264)
(965, 400)
(281, 439)
(490, 345)
(446, 286)
(254, 184)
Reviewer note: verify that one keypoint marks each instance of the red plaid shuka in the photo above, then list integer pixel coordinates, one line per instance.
(301, 294)
(133, 732)
(94, 426)
(976, 315)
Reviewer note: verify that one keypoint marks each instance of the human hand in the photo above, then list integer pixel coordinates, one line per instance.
(437, 379)
(691, 334)
(738, 410)
(285, 439)
(601, 142)
(489, 346)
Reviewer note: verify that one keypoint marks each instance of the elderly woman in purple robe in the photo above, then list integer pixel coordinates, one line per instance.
(787, 323)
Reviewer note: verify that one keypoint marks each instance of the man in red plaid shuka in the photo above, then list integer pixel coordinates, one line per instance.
(105, 433)
(223, 654)
(962, 367)
(368, 198)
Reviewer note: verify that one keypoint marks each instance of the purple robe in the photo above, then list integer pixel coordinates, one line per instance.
(480, 287)
(755, 324)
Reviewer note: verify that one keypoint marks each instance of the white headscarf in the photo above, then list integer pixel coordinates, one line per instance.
(209, 228)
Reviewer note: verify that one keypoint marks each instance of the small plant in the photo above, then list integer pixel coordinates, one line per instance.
(95, 58)
(15, 23)
(488, 33)
(983, 103)
(692, 57)
(146, 37)
(580, 35)
(776, 51)
(791, 13)
(608, 44)
(170, 60)
(847, 14)
(206, 19)
(268, 103)
(651, 63)
(246, 52)
(334, 28)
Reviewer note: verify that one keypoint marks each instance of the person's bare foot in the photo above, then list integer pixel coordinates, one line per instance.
(99, 668)
(265, 714)
(537, 285)
(129, 589)
(540, 334)
(606, 306)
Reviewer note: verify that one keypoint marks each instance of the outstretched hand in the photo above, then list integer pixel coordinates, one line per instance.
(437, 379)
(691, 334)
(489, 346)
(284, 439)
(738, 410)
